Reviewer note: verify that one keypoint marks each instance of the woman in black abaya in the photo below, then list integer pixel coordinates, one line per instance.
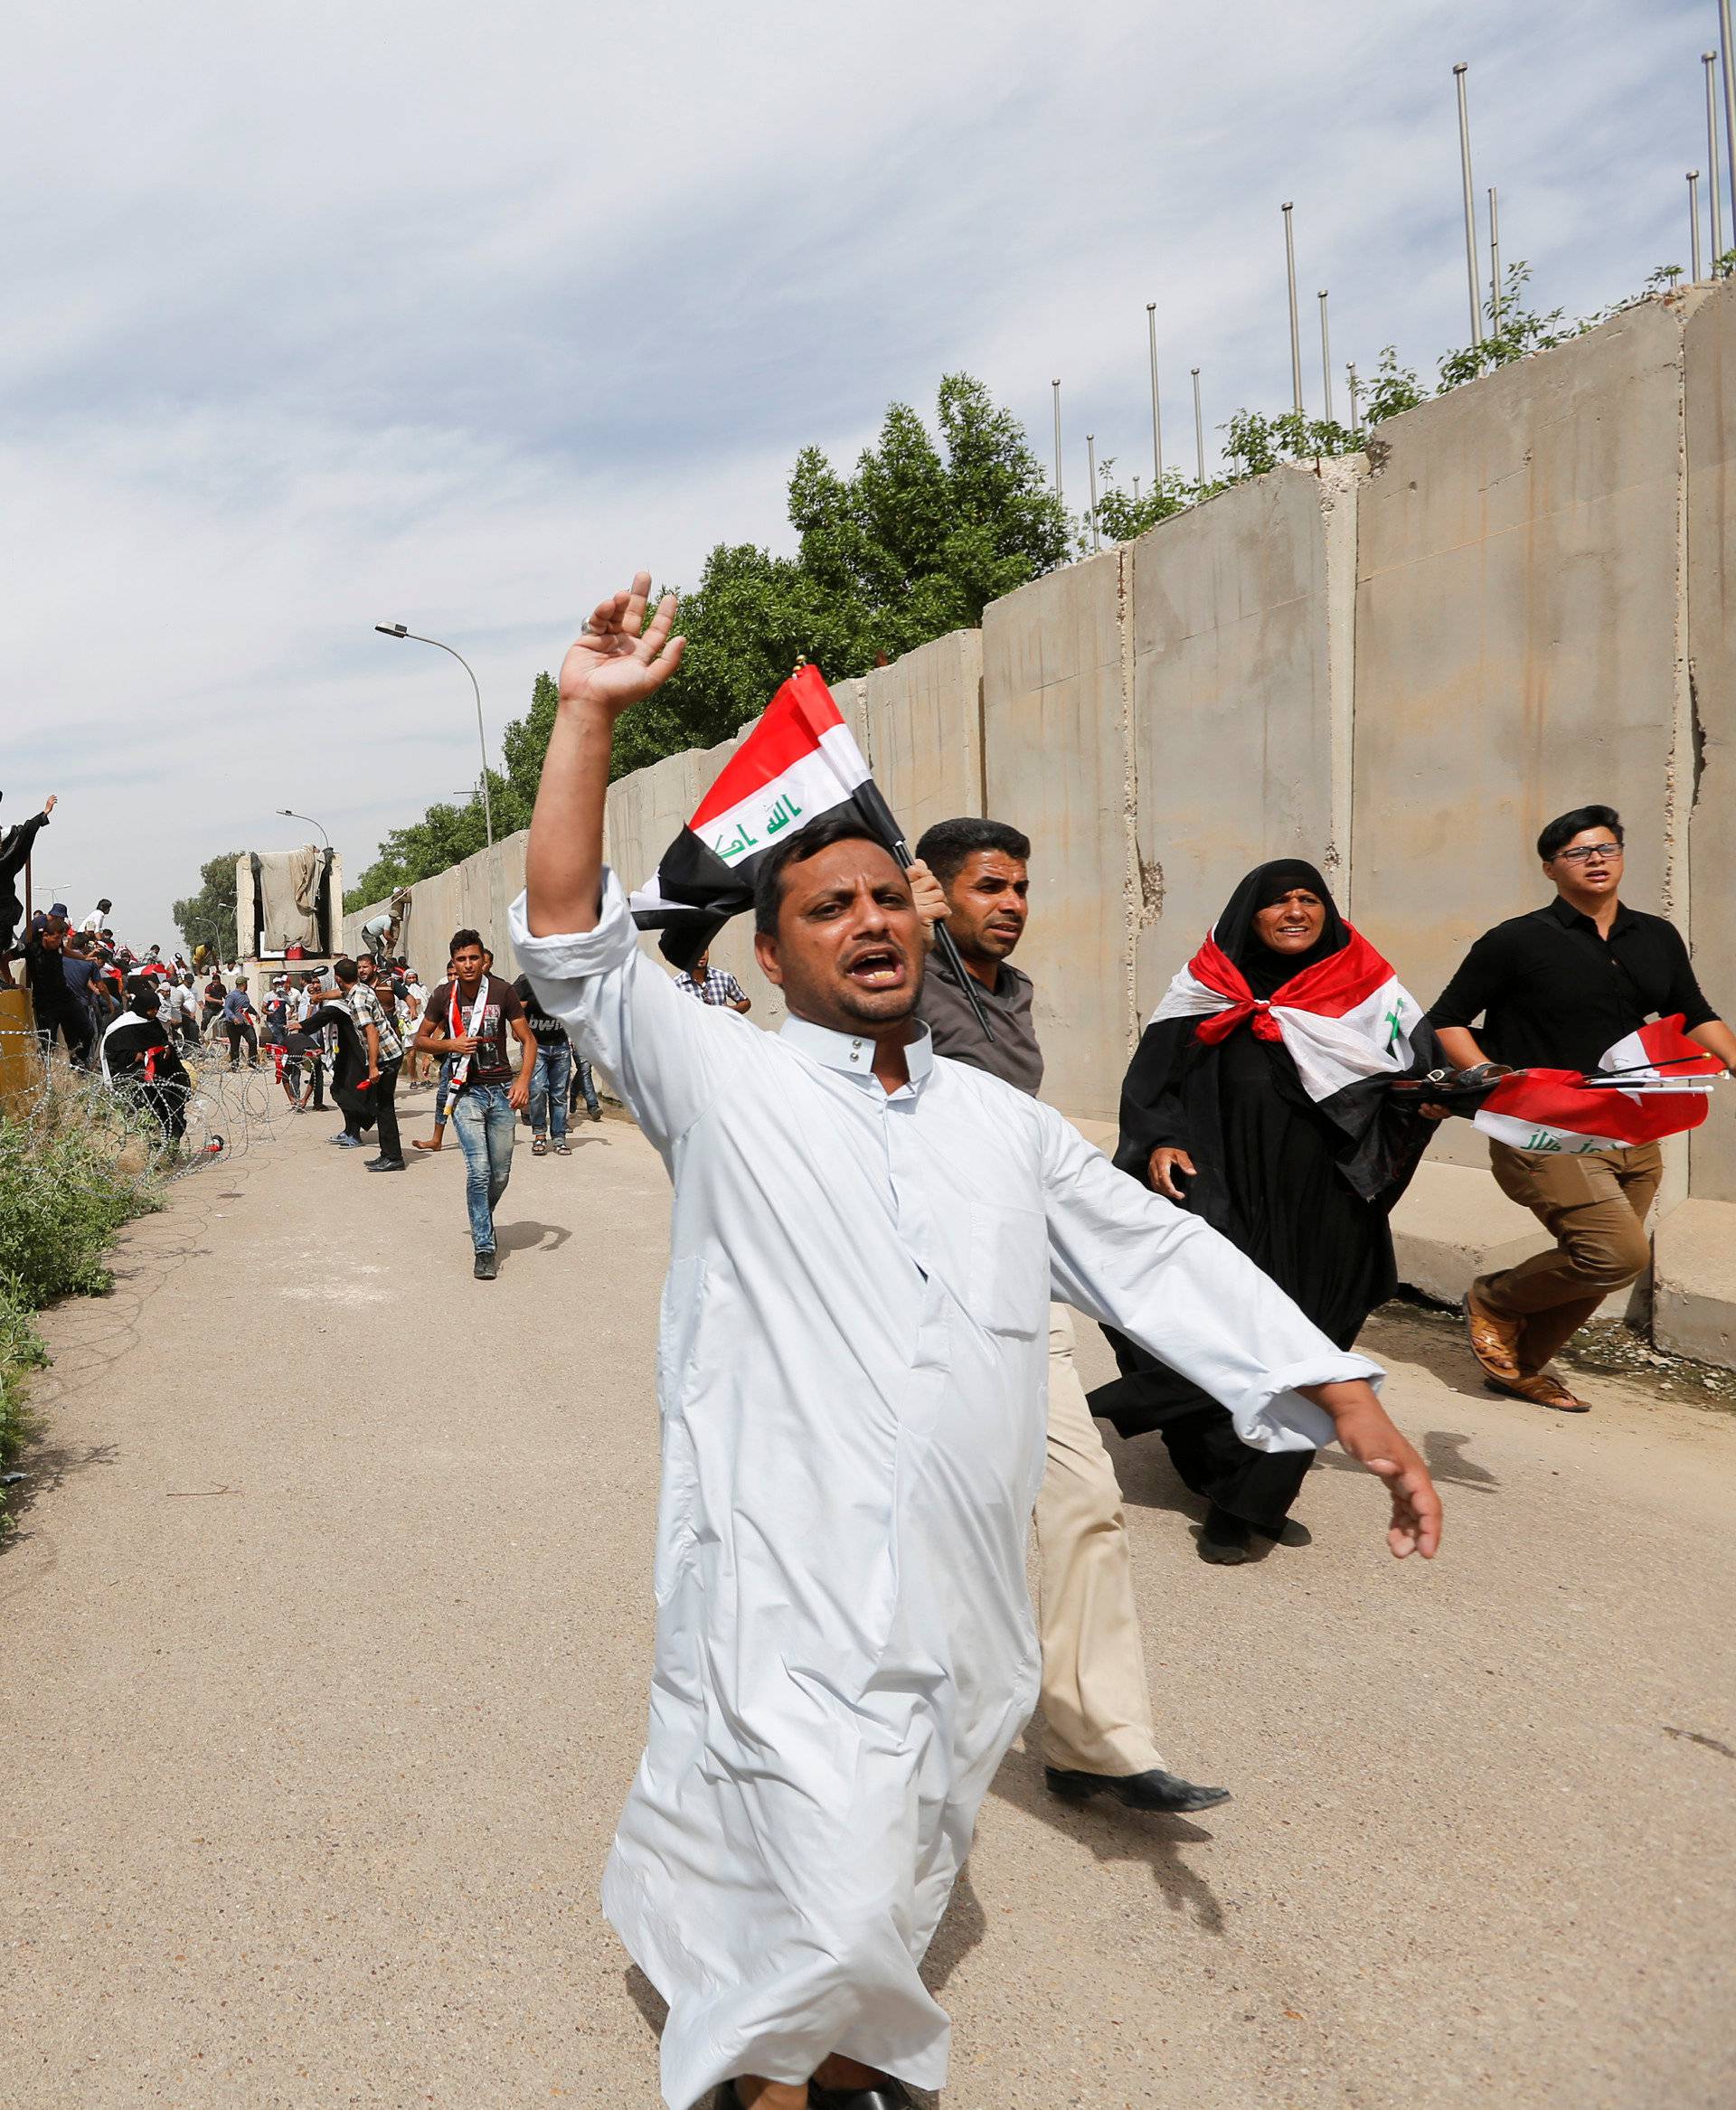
(1225, 1127)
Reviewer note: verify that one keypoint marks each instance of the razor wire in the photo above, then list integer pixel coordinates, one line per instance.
(227, 1112)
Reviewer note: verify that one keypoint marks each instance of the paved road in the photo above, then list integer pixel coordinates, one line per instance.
(326, 1649)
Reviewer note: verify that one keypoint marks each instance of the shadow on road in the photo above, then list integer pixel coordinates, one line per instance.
(1115, 1835)
(531, 1238)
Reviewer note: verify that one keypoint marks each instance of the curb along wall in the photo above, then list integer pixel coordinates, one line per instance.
(1522, 598)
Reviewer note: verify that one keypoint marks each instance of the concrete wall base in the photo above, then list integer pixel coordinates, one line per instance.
(1455, 1224)
(1694, 1293)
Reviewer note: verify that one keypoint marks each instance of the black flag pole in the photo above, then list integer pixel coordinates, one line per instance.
(948, 947)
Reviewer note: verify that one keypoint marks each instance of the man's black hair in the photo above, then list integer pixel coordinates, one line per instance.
(842, 826)
(1561, 830)
(945, 847)
(460, 938)
(344, 969)
(144, 998)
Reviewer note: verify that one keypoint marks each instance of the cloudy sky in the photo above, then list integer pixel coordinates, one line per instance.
(335, 314)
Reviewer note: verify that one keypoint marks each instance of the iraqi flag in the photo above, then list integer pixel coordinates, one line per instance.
(1664, 1086)
(1347, 1022)
(799, 763)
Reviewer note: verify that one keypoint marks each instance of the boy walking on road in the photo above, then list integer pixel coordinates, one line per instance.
(468, 1017)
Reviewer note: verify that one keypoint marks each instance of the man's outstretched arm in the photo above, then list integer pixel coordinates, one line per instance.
(610, 666)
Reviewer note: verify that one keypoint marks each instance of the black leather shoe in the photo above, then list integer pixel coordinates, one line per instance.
(1225, 1540)
(1154, 1790)
(886, 2096)
(486, 1268)
(385, 1165)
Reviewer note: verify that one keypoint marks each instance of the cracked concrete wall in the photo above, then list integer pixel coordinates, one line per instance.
(1518, 633)
(1707, 772)
(1054, 708)
(1240, 661)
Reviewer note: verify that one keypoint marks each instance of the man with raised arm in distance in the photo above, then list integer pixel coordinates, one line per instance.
(853, 1368)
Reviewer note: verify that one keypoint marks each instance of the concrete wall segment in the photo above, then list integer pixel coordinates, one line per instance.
(1239, 701)
(1054, 710)
(1707, 772)
(923, 720)
(1516, 639)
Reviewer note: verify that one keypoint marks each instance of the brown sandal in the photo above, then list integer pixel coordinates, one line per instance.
(1495, 1341)
(1541, 1389)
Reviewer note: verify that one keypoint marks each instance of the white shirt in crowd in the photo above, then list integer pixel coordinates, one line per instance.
(853, 1369)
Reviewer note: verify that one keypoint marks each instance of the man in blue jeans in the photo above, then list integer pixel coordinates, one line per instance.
(467, 1018)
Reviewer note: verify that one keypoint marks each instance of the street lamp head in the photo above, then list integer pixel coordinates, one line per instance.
(288, 814)
(392, 629)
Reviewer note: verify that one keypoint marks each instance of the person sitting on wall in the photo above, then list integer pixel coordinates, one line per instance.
(1557, 987)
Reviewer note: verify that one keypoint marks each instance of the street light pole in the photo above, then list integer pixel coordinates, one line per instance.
(1325, 361)
(289, 814)
(1296, 331)
(1693, 222)
(1157, 415)
(398, 630)
(1715, 180)
(1199, 431)
(1471, 271)
(1060, 494)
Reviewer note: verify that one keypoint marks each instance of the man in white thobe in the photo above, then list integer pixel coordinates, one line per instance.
(851, 1373)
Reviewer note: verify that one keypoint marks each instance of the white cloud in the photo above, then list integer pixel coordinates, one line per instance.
(346, 314)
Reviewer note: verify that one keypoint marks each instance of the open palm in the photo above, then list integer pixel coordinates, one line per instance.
(620, 658)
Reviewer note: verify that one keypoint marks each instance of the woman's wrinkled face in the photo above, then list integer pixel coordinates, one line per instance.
(1293, 921)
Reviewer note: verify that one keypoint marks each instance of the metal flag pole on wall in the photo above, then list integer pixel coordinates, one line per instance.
(1326, 362)
(1157, 414)
(1729, 110)
(1055, 385)
(1495, 261)
(1090, 457)
(1355, 417)
(1714, 188)
(1199, 431)
(1693, 222)
(1471, 272)
(1295, 327)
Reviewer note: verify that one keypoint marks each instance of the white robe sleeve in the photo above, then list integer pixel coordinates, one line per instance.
(1127, 1258)
(665, 1053)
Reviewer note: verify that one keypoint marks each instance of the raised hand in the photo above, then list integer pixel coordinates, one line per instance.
(611, 664)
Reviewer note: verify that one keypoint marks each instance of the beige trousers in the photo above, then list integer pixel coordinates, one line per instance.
(1096, 1701)
(1595, 1207)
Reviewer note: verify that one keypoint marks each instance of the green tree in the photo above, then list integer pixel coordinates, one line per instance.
(208, 917)
(1121, 516)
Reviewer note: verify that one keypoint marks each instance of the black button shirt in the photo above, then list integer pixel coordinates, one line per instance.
(1558, 996)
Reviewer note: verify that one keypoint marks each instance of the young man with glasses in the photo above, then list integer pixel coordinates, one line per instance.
(1556, 989)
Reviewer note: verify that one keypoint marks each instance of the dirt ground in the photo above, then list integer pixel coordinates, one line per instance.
(326, 1642)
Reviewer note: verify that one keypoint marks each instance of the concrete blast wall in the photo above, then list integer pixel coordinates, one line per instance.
(1399, 665)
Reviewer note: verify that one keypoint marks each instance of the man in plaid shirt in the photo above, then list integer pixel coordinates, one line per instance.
(713, 986)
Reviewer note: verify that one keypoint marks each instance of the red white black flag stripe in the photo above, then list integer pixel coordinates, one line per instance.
(799, 763)
(1575, 1112)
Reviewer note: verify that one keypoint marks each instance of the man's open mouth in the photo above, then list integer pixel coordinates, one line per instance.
(877, 967)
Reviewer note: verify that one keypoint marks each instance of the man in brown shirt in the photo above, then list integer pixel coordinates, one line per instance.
(1096, 1701)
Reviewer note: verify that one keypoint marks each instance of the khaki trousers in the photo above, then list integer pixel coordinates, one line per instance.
(1595, 1209)
(1096, 1701)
